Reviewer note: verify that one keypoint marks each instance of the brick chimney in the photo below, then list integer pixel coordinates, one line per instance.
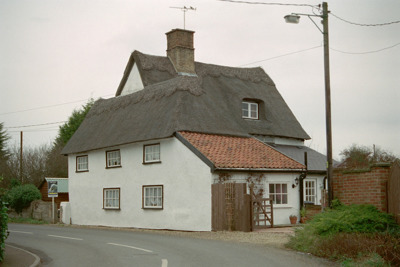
(180, 50)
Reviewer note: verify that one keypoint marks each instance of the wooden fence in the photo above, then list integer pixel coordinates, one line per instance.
(393, 192)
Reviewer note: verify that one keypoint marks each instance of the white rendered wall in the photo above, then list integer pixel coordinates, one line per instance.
(186, 180)
(134, 82)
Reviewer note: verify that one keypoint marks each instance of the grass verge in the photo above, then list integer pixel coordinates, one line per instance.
(25, 220)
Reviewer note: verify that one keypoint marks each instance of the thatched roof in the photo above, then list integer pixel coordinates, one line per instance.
(207, 103)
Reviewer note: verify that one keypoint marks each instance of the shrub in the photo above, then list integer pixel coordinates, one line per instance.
(347, 233)
(20, 197)
(352, 219)
(365, 247)
(3, 227)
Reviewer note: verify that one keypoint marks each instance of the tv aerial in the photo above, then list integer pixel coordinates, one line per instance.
(184, 9)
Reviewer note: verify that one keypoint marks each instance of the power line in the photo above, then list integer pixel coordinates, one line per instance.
(33, 125)
(43, 107)
(265, 3)
(362, 53)
(366, 25)
(284, 55)
(51, 106)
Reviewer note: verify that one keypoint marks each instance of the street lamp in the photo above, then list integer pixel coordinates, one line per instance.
(295, 18)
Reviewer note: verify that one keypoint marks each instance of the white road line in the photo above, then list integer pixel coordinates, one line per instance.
(37, 259)
(142, 249)
(29, 233)
(164, 263)
(65, 237)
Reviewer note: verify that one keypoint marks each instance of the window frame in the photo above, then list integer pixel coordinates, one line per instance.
(116, 165)
(77, 164)
(144, 154)
(281, 194)
(249, 103)
(307, 191)
(104, 198)
(144, 197)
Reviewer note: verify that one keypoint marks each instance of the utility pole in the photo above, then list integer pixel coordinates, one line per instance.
(294, 18)
(325, 13)
(21, 160)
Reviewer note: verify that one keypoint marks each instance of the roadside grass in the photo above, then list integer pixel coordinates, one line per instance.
(355, 235)
(25, 220)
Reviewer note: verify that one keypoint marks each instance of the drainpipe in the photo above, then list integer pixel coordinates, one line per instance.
(301, 178)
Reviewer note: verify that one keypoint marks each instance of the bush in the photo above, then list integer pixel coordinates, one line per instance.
(347, 233)
(3, 228)
(21, 196)
(352, 219)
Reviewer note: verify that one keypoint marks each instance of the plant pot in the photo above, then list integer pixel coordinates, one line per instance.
(303, 220)
(293, 220)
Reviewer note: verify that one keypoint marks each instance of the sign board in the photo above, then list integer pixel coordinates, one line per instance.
(52, 188)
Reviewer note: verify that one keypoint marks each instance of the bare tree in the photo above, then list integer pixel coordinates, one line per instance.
(359, 157)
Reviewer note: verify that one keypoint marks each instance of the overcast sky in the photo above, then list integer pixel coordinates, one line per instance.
(56, 54)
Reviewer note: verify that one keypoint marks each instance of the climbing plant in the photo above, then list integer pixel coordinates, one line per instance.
(4, 227)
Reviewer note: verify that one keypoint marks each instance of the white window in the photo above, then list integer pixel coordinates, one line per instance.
(153, 196)
(310, 191)
(82, 163)
(250, 110)
(151, 153)
(113, 158)
(111, 198)
(278, 193)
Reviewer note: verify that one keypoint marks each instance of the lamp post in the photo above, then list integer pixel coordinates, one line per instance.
(295, 18)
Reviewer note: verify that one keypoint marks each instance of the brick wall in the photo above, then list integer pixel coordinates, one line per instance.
(362, 186)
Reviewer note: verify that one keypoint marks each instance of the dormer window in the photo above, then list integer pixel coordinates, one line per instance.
(250, 110)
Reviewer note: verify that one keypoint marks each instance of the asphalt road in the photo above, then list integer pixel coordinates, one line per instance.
(67, 246)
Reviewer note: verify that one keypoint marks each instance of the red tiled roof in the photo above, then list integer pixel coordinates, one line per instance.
(239, 152)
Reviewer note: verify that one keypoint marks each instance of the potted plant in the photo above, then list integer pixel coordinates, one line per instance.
(293, 219)
(303, 215)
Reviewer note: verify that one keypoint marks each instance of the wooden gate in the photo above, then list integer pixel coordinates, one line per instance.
(393, 192)
(262, 211)
(230, 207)
(235, 210)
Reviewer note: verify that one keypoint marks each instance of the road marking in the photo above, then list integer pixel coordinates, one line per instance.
(164, 263)
(29, 233)
(65, 237)
(37, 259)
(142, 249)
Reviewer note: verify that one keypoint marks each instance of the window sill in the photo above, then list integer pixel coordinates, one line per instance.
(251, 119)
(81, 171)
(152, 208)
(117, 209)
(282, 207)
(113, 167)
(151, 162)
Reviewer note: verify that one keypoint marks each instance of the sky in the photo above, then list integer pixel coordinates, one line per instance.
(57, 54)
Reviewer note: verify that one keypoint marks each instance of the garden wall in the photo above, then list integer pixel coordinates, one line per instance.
(367, 186)
(38, 210)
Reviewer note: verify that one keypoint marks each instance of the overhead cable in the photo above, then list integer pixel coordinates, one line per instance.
(362, 53)
(33, 125)
(265, 3)
(284, 55)
(366, 25)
